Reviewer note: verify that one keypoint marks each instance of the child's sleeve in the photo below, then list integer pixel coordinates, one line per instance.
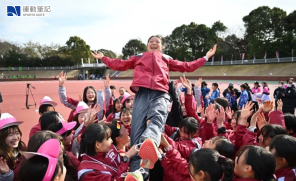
(175, 65)
(68, 102)
(190, 108)
(7, 177)
(100, 101)
(119, 64)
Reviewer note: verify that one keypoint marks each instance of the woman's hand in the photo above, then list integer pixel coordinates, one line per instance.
(267, 106)
(220, 117)
(229, 112)
(211, 52)
(186, 83)
(4, 169)
(62, 78)
(197, 83)
(210, 113)
(246, 112)
(131, 152)
(280, 105)
(98, 55)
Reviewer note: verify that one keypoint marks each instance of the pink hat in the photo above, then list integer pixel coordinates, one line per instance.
(50, 150)
(8, 120)
(47, 100)
(81, 107)
(66, 127)
(126, 96)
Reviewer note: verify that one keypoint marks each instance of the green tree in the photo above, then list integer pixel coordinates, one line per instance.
(192, 41)
(133, 47)
(265, 31)
(77, 49)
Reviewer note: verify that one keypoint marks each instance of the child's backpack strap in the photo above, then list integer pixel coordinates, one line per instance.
(175, 134)
(198, 146)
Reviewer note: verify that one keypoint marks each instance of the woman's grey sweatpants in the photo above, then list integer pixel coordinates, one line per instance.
(148, 105)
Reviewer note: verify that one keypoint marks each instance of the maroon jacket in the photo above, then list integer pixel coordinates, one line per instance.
(35, 129)
(104, 166)
(286, 174)
(151, 69)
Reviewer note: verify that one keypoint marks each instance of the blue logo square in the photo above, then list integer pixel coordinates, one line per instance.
(13, 10)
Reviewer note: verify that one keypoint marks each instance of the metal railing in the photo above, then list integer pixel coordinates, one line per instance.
(101, 65)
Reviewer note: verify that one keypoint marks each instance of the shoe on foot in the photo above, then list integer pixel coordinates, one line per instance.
(134, 177)
(149, 154)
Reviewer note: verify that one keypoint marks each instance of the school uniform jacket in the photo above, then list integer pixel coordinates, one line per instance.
(151, 69)
(103, 166)
(285, 174)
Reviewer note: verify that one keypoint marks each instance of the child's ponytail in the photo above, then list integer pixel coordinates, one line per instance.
(227, 167)
(82, 144)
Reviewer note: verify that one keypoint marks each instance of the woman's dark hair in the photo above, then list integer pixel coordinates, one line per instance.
(211, 162)
(290, 122)
(244, 86)
(35, 169)
(256, 83)
(190, 125)
(216, 85)
(222, 101)
(112, 87)
(265, 85)
(85, 91)
(5, 151)
(262, 161)
(203, 84)
(92, 134)
(39, 138)
(285, 147)
(114, 105)
(125, 110)
(271, 130)
(54, 127)
(223, 146)
(231, 88)
(44, 108)
(114, 131)
(158, 36)
(48, 118)
(281, 82)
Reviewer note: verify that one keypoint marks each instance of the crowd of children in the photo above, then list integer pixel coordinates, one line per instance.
(168, 131)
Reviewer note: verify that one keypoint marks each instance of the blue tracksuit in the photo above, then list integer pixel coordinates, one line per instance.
(205, 91)
(215, 94)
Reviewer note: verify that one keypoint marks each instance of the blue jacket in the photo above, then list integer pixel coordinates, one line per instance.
(231, 100)
(243, 99)
(215, 94)
(205, 91)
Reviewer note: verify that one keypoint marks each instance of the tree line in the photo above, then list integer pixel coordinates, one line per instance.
(267, 30)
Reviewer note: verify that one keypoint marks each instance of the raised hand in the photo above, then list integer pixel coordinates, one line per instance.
(80, 96)
(62, 78)
(280, 105)
(95, 109)
(210, 113)
(220, 117)
(186, 83)
(98, 55)
(197, 83)
(4, 169)
(255, 116)
(267, 106)
(246, 112)
(261, 121)
(107, 81)
(211, 52)
(229, 112)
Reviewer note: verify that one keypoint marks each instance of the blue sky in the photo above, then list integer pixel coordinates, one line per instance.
(110, 24)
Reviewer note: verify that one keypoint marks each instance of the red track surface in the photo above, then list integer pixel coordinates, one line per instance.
(14, 96)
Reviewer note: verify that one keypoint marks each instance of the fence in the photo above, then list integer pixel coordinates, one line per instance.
(209, 63)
